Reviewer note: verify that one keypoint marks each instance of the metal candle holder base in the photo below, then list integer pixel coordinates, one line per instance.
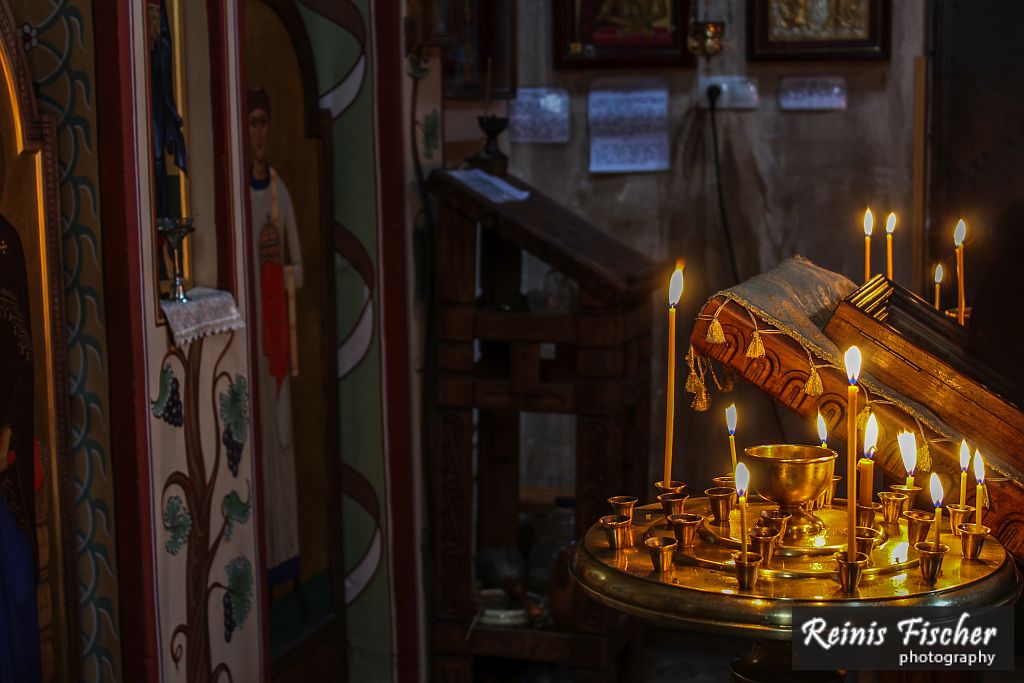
(721, 499)
(684, 527)
(672, 503)
(775, 519)
(661, 548)
(958, 514)
(617, 528)
(892, 505)
(866, 513)
(763, 540)
(850, 573)
(746, 569)
(972, 538)
(623, 505)
(909, 491)
(930, 559)
(918, 524)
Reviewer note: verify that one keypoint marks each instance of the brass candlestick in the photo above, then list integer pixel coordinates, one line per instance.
(746, 568)
(175, 230)
(972, 538)
(918, 523)
(930, 559)
(672, 503)
(892, 506)
(866, 539)
(763, 540)
(672, 486)
(775, 519)
(617, 528)
(684, 526)
(910, 491)
(958, 514)
(850, 572)
(661, 548)
(866, 513)
(623, 505)
(721, 499)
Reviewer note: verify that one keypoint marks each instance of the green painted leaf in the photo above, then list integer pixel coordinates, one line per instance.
(236, 510)
(178, 522)
(240, 587)
(234, 409)
(160, 403)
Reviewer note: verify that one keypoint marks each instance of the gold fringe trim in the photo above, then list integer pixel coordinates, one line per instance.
(756, 347)
(924, 456)
(813, 385)
(715, 335)
(701, 402)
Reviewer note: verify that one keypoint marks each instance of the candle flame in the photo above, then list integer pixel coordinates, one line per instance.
(822, 429)
(742, 478)
(852, 360)
(979, 468)
(965, 456)
(908, 449)
(960, 233)
(869, 222)
(890, 223)
(870, 436)
(730, 418)
(938, 274)
(935, 488)
(675, 287)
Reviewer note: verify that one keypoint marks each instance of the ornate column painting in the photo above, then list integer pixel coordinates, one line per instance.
(38, 583)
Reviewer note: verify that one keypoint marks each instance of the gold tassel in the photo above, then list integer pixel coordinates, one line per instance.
(701, 402)
(690, 356)
(924, 456)
(727, 382)
(693, 383)
(813, 386)
(756, 348)
(862, 423)
(984, 496)
(715, 335)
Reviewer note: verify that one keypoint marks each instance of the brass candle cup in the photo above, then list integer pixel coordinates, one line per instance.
(866, 539)
(918, 524)
(910, 491)
(850, 573)
(684, 526)
(763, 540)
(892, 505)
(866, 513)
(619, 531)
(727, 481)
(972, 538)
(930, 559)
(622, 505)
(775, 519)
(958, 514)
(661, 548)
(672, 503)
(746, 568)
(670, 487)
(721, 499)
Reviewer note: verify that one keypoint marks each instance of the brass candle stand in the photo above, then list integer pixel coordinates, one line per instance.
(708, 585)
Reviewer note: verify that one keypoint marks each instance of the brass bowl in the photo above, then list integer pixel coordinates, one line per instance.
(793, 477)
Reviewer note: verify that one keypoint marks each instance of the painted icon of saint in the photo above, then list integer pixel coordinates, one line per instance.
(278, 259)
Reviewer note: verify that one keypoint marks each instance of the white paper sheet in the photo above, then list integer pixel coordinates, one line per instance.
(628, 121)
(539, 115)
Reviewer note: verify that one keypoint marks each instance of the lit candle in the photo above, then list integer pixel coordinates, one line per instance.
(979, 478)
(890, 225)
(866, 466)
(965, 460)
(742, 478)
(908, 450)
(958, 241)
(730, 422)
(822, 430)
(852, 361)
(869, 222)
(935, 487)
(938, 286)
(675, 290)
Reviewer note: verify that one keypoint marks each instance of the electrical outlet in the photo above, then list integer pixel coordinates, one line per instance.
(738, 92)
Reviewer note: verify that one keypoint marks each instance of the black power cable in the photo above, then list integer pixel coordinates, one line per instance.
(714, 92)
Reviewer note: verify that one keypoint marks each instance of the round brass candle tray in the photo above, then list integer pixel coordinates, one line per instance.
(700, 587)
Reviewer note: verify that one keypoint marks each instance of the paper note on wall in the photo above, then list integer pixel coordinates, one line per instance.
(539, 115)
(628, 121)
